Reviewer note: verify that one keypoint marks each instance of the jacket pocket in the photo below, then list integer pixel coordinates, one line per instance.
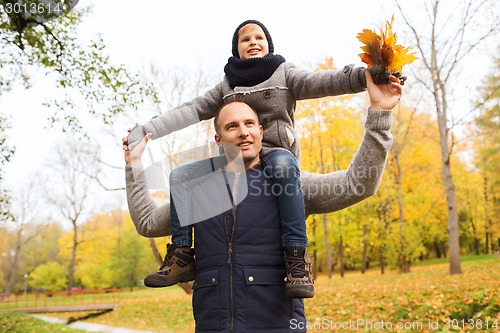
(267, 306)
(206, 300)
(285, 135)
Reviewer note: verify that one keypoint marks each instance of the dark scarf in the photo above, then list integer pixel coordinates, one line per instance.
(252, 71)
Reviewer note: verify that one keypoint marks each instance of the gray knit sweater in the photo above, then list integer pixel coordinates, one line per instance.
(323, 193)
(274, 100)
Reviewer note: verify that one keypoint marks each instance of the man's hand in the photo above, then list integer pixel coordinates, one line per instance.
(383, 96)
(133, 155)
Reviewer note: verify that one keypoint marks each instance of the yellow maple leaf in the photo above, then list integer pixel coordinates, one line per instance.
(381, 49)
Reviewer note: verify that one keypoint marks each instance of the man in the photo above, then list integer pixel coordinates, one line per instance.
(239, 284)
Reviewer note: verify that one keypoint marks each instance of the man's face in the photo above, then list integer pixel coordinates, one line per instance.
(240, 130)
(252, 42)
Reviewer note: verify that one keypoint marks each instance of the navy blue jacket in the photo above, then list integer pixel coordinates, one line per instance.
(240, 269)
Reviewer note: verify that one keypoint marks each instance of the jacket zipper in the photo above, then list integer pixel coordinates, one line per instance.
(232, 196)
(230, 251)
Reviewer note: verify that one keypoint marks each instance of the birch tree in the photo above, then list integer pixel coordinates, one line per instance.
(443, 44)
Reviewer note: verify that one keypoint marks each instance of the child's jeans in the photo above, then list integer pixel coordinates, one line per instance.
(283, 167)
(280, 165)
(182, 234)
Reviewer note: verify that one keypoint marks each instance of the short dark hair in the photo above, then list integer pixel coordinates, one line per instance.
(216, 118)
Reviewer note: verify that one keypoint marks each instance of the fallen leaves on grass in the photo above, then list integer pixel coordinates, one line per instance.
(428, 296)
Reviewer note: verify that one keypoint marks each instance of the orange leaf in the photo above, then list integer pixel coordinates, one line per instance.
(372, 41)
(382, 49)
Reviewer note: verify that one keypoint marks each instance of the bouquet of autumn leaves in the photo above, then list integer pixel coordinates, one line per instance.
(382, 55)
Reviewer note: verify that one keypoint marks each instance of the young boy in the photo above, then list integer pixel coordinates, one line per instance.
(271, 86)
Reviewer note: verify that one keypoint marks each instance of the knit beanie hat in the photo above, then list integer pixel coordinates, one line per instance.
(235, 37)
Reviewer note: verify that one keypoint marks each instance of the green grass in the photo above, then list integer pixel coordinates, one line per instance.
(427, 295)
(15, 322)
(463, 259)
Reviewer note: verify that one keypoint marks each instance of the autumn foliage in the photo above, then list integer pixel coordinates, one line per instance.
(381, 49)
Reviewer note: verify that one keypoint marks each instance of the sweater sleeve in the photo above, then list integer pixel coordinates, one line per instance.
(325, 193)
(150, 219)
(201, 108)
(305, 85)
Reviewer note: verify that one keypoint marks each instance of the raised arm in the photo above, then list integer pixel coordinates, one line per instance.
(337, 190)
(189, 113)
(325, 193)
(305, 84)
(358, 182)
(150, 219)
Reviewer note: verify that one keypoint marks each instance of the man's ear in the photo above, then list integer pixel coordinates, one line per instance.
(261, 132)
(217, 139)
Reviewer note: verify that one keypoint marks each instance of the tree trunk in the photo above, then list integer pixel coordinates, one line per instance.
(474, 234)
(404, 262)
(341, 256)
(382, 262)
(364, 264)
(487, 216)
(315, 251)
(13, 271)
(71, 271)
(328, 249)
(437, 248)
(453, 228)
(156, 253)
(325, 224)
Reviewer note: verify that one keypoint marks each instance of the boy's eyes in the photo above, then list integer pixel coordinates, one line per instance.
(246, 39)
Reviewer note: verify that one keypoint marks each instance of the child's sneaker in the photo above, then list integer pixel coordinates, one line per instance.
(178, 266)
(299, 281)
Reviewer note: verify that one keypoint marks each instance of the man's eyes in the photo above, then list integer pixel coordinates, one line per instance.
(233, 126)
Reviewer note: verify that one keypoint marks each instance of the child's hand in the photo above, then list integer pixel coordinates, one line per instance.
(135, 136)
(380, 75)
(133, 156)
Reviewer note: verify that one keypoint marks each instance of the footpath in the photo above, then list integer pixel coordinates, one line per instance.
(90, 327)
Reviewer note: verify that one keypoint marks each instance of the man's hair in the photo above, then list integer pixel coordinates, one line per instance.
(216, 118)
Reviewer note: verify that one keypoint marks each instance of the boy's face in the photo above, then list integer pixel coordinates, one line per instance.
(252, 42)
(240, 132)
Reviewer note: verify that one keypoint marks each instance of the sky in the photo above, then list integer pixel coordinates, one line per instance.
(190, 34)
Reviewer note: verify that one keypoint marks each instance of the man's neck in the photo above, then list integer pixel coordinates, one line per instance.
(237, 167)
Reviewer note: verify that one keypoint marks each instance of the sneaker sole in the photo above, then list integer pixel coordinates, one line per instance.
(155, 281)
